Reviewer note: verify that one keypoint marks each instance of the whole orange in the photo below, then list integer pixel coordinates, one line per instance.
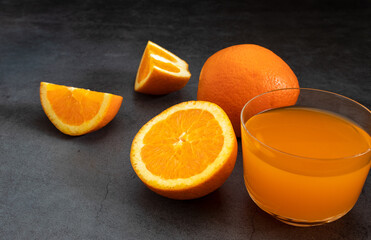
(234, 75)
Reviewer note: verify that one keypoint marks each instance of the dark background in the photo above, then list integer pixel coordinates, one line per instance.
(53, 186)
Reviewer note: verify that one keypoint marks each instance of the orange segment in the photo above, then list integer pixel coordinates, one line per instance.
(72, 105)
(160, 71)
(185, 141)
(77, 111)
(185, 152)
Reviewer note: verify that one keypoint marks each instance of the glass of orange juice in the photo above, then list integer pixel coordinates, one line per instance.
(306, 154)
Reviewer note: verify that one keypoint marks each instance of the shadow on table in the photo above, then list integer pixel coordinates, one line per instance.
(147, 102)
(239, 215)
(27, 118)
(267, 227)
(203, 209)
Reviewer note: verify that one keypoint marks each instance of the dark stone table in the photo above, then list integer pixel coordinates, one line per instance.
(53, 186)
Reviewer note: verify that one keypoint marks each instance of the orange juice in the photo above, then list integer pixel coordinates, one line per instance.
(304, 164)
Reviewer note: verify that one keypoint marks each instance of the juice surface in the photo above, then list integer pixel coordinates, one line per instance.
(317, 173)
(309, 132)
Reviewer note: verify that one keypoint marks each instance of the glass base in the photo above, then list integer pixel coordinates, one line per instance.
(297, 222)
(301, 223)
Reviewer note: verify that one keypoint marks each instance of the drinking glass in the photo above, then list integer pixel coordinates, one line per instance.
(299, 190)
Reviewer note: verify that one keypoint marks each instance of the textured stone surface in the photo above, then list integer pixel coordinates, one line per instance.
(57, 187)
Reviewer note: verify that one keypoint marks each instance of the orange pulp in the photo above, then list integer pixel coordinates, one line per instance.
(304, 164)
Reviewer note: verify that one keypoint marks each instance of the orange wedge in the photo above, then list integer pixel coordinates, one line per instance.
(160, 71)
(185, 152)
(77, 111)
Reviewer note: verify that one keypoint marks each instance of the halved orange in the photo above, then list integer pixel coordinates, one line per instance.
(185, 152)
(160, 71)
(77, 111)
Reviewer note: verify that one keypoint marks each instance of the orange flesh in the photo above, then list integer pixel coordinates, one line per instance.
(148, 63)
(161, 53)
(65, 101)
(313, 194)
(165, 65)
(183, 144)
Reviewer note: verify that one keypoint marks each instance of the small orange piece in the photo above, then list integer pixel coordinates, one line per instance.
(77, 111)
(160, 71)
(234, 75)
(185, 152)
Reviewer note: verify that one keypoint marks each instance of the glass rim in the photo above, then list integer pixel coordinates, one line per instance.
(294, 155)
